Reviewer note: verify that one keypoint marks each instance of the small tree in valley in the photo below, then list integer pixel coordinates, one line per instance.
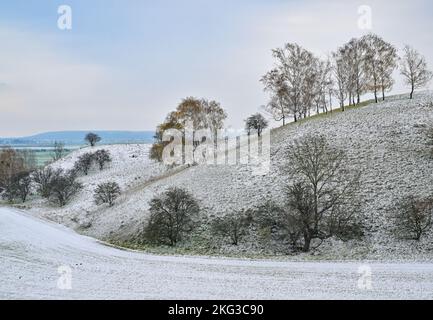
(107, 193)
(321, 202)
(18, 187)
(171, 216)
(64, 187)
(233, 225)
(414, 218)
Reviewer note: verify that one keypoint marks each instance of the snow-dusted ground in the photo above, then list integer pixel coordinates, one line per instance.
(385, 141)
(32, 250)
(130, 168)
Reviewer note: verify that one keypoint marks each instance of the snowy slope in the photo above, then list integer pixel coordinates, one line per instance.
(385, 141)
(32, 250)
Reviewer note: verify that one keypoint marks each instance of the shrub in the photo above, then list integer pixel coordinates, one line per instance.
(84, 163)
(172, 215)
(44, 180)
(18, 187)
(233, 225)
(414, 218)
(107, 193)
(275, 221)
(63, 188)
(102, 157)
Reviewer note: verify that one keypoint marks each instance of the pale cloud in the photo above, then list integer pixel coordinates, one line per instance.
(132, 81)
(45, 88)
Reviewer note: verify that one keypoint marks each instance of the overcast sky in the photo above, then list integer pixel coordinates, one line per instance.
(126, 63)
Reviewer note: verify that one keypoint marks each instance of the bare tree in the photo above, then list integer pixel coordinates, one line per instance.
(92, 138)
(107, 193)
(341, 73)
(380, 62)
(44, 179)
(18, 187)
(323, 85)
(353, 55)
(414, 69)
(279, 105)
(257, 123)
(414, 218)
(58, 150)
(387, 64)
(172, 215)
(84, 163)
(102, 157)
(295, 65)
(64, 187)
(321, 201)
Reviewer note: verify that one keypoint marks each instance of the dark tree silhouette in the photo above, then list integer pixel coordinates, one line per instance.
(102, 157)
(64, 187)
(92, 138)
(107, 193)
(322, 201)
(257, 123)
(414, 218)
(84, 163)
(171, 216)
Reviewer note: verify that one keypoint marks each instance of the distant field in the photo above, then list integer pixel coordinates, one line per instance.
(43, 156)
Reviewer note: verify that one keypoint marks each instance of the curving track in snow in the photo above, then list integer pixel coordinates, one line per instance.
(32, 250)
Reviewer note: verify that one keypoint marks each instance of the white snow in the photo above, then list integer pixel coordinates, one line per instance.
(385, 141)
(32, 250)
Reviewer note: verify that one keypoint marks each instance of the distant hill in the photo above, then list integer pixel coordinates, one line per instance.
(77, 138)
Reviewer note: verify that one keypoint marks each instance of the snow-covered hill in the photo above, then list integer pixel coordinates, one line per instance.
(41, 260)
(385, 141)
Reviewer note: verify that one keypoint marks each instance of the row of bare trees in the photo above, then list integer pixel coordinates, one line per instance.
(301, 83)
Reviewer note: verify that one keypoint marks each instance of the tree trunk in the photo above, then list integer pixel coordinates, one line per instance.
(411, 93)
(307, 242)
(284, 121)
(383, 94)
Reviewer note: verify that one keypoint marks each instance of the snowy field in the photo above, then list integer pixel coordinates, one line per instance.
(32, 250)
(385, 141)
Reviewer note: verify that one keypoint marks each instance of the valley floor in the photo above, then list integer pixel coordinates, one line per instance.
(32, 250)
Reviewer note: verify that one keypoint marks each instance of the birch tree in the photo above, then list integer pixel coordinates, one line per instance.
(414, 69)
